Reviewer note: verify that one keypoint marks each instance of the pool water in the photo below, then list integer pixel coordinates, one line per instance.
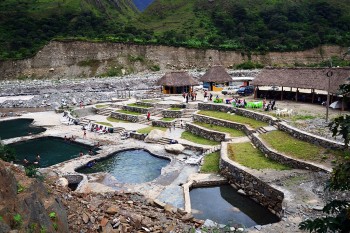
(51, 150)
(131, 166)
(18, 128)
(224, 205)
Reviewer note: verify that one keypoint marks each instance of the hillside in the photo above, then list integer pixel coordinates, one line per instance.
(241, 25)
(142, 4)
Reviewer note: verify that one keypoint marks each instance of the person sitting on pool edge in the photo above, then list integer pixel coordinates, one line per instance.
(91, 163)
(91, 152)
(37, 159)
(81, 154)
(25, 161)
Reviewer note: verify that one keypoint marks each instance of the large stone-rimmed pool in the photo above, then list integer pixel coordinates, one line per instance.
(18, 128)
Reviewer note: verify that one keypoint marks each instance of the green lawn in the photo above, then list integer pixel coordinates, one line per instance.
(232, 132)
(296, 148)
(104, 123)
(147, 130)
(175, 109)
(137, 105)
(197, 139)
(247, 155)
(234, 118)
(101, 105)
(112, 119)
(167, 119)
(129, 112)
(211, 163)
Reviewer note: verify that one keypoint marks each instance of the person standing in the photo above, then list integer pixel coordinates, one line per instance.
(148, 116)
(84, 133)
(187, 97)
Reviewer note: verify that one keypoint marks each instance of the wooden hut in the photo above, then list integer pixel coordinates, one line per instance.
(177, 82)
(322, 79)
(216, 78)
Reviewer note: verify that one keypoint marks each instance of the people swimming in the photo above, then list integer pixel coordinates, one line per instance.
(91, 163)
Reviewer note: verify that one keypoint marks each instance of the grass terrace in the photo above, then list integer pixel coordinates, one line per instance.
(102, 105)
(232, 132)
(198, 139)
(248, 156)
(147, 130)
(112, 119)
(167, 119)
(129, 112)
(211, 163)
(296, 148)
(175, 109)
(137, 105)
(234, 118)
(105, 124)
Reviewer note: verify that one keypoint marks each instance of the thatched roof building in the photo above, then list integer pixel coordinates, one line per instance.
(216, 74)
(177, 79)
(308, 78)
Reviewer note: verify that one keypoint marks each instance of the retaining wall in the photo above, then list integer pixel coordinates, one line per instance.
(307, 137)
(138, 136)
(255, 188)
(146, 104)
(172, 113)
(166, 124)
(136, 109)
(205, 133)
(126, 117)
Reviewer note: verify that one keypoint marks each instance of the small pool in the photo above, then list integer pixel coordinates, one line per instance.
(52, 150)
(18, 128)
(131, 166)
(224, 205)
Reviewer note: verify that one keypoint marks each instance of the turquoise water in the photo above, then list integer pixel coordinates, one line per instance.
(131, 166)
(224, 205)
(18, 128)
(51, 150)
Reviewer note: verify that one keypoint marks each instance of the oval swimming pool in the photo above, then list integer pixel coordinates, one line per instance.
(130, 166)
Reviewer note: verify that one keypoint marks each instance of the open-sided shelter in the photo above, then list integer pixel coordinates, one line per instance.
(177, 82)
(322, 79)
(216, 78)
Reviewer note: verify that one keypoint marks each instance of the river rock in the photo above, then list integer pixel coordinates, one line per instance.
(63, 182)
(154, 135)
(209, 223)
(112, 210)
(174, 148)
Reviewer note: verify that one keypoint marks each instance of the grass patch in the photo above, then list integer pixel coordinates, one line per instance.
(232, 132)
(167, 119)
(293, 147)
(105, 124)
(197, 139)
(303, 117)
(147, 130)
(247, 155)
(211, 163)
(112, 119)
(234, 118)
(175, 109)
(137, 105)
(101, 105)
(129, 112)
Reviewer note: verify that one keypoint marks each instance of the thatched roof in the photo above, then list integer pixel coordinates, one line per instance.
(177, 79)
(216, 74)
(310, 78)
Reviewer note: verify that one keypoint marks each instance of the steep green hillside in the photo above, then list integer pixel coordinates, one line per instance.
(26, 25)
(259, 25)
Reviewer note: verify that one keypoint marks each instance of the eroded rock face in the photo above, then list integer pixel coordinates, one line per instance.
(154, 135)
(174, 148)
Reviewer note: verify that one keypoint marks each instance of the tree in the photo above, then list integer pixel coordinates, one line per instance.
(6, 153)
(337, 212)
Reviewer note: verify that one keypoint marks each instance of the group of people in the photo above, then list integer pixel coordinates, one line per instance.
(69, 139)
(187, 96)
(269, 106)
(206, 96)
(26, 162)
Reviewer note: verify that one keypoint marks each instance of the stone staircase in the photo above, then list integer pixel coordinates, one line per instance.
(84, 121)
(212, 150)
(188, 112)
(144, 121)
(157, 112)
(178, 124)
(162, 141)
(261, 130)
(105, 111)
(119, 130)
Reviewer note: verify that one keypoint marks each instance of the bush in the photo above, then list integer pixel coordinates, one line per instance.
(6, 153)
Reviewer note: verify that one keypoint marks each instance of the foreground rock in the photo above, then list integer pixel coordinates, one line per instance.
(174, 148)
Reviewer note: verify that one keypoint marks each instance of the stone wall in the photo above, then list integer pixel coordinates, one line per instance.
(224, 123)
(138, 136)
(126, 117)
(82, 112)
(205, 133)
(307, 137)
(165, 124)
(146, 104)
(215, 107)
(283, 159)
(172, 113)
(255, 188)
(178, 105)
(136, 109)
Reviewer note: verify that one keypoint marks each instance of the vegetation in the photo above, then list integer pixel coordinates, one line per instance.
(336, 216)
(112, 119)
(6, 153)
(234, 118)
(32, 171)
(247, 155)
(175, 109)
(147, 130)
(293, 147)
(20, 188)
(197, 139)
(129, 112)
(167, 119)
(255, 26)
(137, 105)
(17, 220)
(232, 132)
(105, 124)
(211, 163)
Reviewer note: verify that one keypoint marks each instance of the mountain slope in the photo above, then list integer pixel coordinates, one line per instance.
(142, 4)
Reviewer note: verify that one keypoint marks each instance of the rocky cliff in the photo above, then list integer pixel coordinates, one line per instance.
(86, 59)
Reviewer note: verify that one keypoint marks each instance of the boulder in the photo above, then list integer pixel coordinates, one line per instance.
(63, 182)
(174, 148)
(154, 135)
